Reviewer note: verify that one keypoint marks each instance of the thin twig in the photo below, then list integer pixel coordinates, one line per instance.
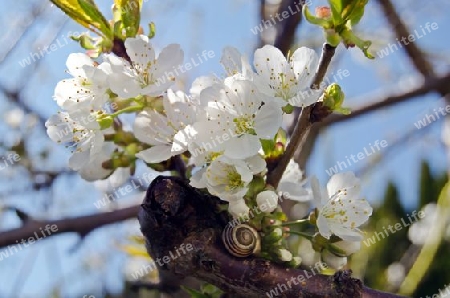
(415, 54)
(81, 225)
(301, 129)
(441, 84)
(325, 60)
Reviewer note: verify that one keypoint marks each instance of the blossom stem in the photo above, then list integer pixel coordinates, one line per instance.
(130, 109)
(305, 235)
(295, 222)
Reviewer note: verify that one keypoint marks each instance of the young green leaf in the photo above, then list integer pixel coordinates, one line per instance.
(86, 13)
(128, 14)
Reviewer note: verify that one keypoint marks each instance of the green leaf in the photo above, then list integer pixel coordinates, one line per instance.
(336, 9)
(333, 38)
(211, 290)
(128, 14)
(336, 5)
(194, 293)
(357, 12)
(86, 13)
(336, 250)
(348, 9)
(268, 146)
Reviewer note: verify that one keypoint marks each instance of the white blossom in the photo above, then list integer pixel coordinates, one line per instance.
(81, 130)
(291, 184)
(88, 87)
(93, 170)
(146, 75)
(235, 64)
(238, 208)
(201, 83)
(347, 247)
(332, 260)
(267, 198)
(166, 132)
(288, 80)
(228, 178)
(236, 119)
(341, 211)
(285, 255)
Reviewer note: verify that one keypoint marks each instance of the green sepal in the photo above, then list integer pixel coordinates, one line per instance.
(324, 23)
(332, 38)
(337, 251)
(85, 41)
(152, 30)
(105, 121)
(288, 109)
(351, 39)
(255, 186)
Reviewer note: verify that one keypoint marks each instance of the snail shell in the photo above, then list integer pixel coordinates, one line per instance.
(241, 240)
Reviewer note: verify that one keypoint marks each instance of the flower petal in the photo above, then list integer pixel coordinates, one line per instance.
(304, 62)
(242, 147)
(155, 154)
(344, 182)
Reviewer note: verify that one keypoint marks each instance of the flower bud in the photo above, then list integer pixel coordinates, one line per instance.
(347, 247)
(333, 98)
(285, 255)
(333, 261)
(267, 201)
(323, 12)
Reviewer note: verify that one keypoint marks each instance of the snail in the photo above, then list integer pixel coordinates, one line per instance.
(241, 240)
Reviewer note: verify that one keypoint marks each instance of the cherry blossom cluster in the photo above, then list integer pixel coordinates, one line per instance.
(218, 128)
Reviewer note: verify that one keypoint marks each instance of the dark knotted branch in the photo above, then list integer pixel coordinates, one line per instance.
(176, 215)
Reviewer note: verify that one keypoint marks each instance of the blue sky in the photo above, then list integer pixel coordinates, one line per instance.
(212, 25)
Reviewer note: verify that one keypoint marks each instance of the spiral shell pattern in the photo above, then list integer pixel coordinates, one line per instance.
(241, 240)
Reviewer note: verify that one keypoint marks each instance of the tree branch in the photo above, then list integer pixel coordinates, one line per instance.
(81, 225)
(325, 60)
(300, 131)
(172, 207)
(440, 85)
(412, 50)
(285, 29)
